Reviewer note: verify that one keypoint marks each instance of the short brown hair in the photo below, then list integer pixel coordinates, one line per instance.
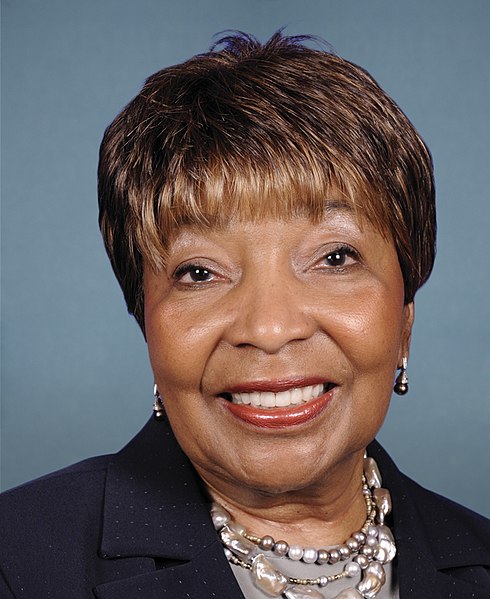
(250, 129)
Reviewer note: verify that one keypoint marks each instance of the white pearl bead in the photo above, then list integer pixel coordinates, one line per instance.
(236, 543)
(238, 528)
(270, 580)
(310, 555)
(295, 552)
(372, 474)
(220, 516)
(352, 569)
(381, 554)
(362, 560)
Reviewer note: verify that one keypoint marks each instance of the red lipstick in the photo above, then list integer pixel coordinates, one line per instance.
(280, 417)
(276, 385)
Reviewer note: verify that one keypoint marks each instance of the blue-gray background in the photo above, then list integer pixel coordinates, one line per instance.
(75, 376)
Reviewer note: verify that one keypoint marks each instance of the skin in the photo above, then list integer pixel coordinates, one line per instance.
(266, 305)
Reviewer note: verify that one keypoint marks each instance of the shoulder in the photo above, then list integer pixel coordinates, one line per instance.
(43, 508)
(77, 480)
(46, 525)
(452, 538)
(413, 502)
(443, 548)
(438, 507)
(451, 528)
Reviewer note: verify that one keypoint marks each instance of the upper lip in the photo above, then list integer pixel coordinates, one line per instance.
(275, 385)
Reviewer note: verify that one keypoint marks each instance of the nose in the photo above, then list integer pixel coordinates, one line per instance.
(270, 314)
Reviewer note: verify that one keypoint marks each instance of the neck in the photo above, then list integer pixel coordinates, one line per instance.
(326, 513)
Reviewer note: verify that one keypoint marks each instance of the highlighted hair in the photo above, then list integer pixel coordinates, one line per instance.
(249, 130)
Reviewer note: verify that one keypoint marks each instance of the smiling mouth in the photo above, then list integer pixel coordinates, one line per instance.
(282, 399)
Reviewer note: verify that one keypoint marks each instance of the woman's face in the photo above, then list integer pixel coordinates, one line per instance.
(308, 316)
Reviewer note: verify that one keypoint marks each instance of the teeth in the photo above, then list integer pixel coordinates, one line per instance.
(283, 399)
(245, 397)
(296, 396)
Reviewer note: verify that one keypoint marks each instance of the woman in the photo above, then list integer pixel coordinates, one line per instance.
(269, 214)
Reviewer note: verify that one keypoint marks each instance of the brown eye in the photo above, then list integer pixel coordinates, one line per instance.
(193, 273)
(336, 258)
(341, 257)
(198, 275)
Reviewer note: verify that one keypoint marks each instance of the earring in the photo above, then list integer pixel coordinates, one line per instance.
(158, 407)
(401, 381)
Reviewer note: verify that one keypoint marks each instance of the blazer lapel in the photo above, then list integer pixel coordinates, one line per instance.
(206, 576)
(154, 506)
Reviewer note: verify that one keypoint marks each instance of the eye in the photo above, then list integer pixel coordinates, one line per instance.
(341, 257)
(193, 273)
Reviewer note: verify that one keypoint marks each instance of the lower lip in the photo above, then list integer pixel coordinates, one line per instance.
(280, 417)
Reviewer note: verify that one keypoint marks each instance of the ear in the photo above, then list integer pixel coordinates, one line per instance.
(406, 333)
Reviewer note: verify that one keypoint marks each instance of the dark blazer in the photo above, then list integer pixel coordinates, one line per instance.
(136, 525)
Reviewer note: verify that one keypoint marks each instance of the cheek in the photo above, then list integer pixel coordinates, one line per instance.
(372, 340)
(367, 327)
(179, 345)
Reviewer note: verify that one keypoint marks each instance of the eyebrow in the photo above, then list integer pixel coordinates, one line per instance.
(336, 205)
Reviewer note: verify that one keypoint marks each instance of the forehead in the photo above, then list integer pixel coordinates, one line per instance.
(333, 209)
(219, 201)
(338, 220)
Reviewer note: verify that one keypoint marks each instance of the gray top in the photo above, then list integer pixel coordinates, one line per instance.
(301, 570)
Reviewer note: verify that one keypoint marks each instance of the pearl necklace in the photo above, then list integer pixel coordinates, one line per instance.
(370, 547)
